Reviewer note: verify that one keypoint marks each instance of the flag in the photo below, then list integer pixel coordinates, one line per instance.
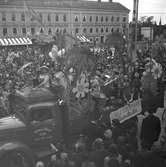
(35, 16)
(21, 70)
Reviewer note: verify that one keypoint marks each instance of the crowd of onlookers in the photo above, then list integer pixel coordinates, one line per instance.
(100, 144)
(112, 146)
(13, 76)
(119, 77)
(23, 67)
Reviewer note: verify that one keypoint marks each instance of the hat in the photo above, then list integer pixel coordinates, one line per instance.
(39, 164)
(98, 143)
(53, 158)
(44, 67)
(64, 155)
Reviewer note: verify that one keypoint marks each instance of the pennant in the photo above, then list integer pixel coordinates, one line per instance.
(35, 16)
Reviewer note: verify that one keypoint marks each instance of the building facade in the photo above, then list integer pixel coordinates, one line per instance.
(33, 17)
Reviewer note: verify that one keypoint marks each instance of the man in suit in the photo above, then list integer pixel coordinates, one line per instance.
(150, 130)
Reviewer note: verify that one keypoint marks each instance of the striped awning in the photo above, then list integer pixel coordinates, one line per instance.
(15, 41)
(82, 38)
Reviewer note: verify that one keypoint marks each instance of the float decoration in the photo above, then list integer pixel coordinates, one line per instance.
(157, 71)
(82, 87)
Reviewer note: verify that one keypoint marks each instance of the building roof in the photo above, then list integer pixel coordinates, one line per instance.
(77, 4)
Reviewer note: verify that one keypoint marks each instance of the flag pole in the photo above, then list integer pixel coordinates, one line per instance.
(70, 21)
(25, 22)
(135, 24)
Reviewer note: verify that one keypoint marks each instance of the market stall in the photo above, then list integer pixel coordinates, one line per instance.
(15, 41)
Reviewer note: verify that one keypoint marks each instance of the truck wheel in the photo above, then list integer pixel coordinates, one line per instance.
(16, 159)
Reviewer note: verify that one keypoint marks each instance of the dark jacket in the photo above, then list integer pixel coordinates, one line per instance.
(147, 159)
(98, 157)
(150, 128)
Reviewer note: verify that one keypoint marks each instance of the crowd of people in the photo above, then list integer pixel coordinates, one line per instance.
(114, 146)
(119, 77)
(13, 75)
(99, 145)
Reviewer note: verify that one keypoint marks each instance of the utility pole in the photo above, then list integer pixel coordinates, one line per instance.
(134, 26)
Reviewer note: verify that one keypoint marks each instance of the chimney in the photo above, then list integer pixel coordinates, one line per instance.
(99, 0)
(110, 0)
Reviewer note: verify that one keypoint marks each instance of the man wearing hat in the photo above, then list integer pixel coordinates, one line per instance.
(44, 77)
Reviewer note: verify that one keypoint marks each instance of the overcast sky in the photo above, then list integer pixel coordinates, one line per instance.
(156, 8)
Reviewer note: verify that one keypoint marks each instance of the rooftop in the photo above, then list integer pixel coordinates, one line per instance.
(78, 4)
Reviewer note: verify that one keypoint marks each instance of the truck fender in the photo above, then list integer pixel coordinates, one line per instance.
(7, 147)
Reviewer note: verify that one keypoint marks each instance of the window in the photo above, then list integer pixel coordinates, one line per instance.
(76, 18)
(64, 17)
(101, 18)
(106, 30)
(64, 30)
(84, 19)
(14, 31)
(112, 18)
(91, 30)
(124, 26)
(97, 30)
(24, 30)
(41, 31)
(76, 30)
(13, 17)
(112, 30)
(56, 18)
(102, 30)
(41, 115)
(49, 18)
(3, 17)
(19, 109)
(32, 30)
(124, 19)
(22, 17)
(49, 31)
(4, 31)
(117, 19)
(97, 18)
(84, 30)
(40, 19)
(90, 19)
(57, 30)
(106, 19)
(102, 39)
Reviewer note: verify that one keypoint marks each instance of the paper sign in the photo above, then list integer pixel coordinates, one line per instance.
(127, 112)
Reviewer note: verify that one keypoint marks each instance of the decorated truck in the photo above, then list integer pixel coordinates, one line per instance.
(39, 121)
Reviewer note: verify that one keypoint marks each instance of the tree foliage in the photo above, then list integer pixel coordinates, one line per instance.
(147, 21)
(81, 59)
(115, 40)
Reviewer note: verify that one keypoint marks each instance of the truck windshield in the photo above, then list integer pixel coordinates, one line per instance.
(19, 110)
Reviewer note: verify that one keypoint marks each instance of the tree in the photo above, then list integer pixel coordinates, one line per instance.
(146, 21)
(115, 40)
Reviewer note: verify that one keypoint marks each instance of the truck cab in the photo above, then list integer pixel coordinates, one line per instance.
(37, 121)
(42, 116)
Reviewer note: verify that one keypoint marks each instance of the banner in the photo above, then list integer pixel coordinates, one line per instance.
(35, 16)
(127, 112)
